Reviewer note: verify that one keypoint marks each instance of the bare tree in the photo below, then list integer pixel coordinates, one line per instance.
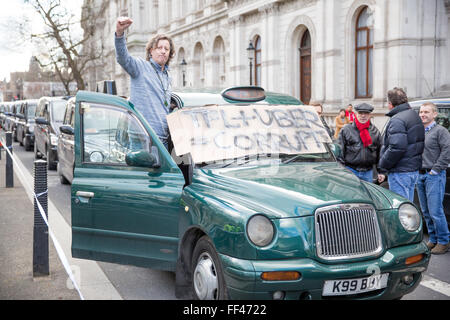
(63, 40)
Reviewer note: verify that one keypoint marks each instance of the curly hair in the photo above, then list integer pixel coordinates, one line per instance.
(153, 43)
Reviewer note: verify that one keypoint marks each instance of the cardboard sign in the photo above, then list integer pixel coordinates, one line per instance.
(232, 131)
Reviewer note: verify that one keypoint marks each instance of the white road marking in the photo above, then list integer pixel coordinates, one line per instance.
(436, 285)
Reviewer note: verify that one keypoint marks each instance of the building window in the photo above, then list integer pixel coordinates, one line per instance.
(364, 54)
(258, 61)
(305, 67)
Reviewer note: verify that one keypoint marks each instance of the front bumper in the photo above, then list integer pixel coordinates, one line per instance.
(243, 277)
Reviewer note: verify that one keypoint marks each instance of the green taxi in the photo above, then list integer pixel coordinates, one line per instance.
(248, 201)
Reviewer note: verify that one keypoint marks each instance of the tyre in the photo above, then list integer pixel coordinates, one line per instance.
(208, 282)
(62, 179)
(27, 143)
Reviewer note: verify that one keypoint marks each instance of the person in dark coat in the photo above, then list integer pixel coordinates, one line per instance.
(360, 142)
(403, 145)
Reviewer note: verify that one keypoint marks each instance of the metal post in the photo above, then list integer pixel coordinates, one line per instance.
(251, 65)
(40, 234)
(9, 174)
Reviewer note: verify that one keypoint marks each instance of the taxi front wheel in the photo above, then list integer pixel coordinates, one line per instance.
(207, 277)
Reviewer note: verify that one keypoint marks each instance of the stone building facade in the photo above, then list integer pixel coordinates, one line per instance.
(327, 51)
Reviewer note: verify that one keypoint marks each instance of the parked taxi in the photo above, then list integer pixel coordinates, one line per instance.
(248, 202)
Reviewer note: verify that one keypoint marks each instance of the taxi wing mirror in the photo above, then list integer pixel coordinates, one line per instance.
(143, 158)
(41, 120)
(66, 129)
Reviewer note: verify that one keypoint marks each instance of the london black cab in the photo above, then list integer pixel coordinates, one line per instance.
(49, 117)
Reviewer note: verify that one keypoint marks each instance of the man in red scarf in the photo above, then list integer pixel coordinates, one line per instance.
(360, 142)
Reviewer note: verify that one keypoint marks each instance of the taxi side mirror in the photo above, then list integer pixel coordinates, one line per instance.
(143, 158)
(66, 129)
(42, 120)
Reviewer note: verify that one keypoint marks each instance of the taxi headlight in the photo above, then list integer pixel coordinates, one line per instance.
(260, 230)
(409, 217)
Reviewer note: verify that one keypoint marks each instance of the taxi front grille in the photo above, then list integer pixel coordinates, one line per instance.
(347, 231)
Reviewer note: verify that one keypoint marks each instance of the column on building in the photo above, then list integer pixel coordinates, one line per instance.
(446, 49)
(271, 48)
(380, 54)
(332, 54)
(319, 84)
(237, 51)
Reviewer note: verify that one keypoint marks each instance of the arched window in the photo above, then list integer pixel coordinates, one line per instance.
(199, 66)
(219, 68)
(364, 54)
(305, 67)
(258, 61)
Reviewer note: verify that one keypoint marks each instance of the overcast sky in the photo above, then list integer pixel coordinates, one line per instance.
(15, 56)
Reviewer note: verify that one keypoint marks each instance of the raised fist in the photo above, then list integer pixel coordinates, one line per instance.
(122, 24)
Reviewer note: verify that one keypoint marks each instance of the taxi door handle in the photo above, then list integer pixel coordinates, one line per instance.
(84, 194)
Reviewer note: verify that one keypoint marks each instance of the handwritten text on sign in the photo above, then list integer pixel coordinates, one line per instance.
(224, 132)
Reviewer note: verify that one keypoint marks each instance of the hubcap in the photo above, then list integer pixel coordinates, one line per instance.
(205, 278)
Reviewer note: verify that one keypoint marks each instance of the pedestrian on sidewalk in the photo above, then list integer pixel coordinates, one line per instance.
(403, 144)
(432, 177)
(360, 143)
(319, 109)
(151, 87)
(340, 121)
(350, 114)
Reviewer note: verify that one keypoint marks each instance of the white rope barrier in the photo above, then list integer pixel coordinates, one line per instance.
(58, 247)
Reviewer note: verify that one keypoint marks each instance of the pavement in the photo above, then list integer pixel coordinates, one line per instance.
(16, 250)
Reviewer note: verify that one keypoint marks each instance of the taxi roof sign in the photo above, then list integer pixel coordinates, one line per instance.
(244, 94)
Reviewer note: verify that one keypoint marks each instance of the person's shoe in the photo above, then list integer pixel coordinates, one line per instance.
(440, 248)
(431, 245)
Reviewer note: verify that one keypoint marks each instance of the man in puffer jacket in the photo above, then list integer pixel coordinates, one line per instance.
(403, 145)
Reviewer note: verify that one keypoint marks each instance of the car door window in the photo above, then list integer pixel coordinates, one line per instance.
(109, 133)
(443, 117)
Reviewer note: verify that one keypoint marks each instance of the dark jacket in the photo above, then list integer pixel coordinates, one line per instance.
(403, 141)
(354, 154)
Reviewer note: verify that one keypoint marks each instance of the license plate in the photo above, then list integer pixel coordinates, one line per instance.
(355, 286)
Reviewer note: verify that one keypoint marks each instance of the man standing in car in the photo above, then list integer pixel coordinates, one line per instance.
(150, 82)
(432, 176)
(401, 153)
(360, 142)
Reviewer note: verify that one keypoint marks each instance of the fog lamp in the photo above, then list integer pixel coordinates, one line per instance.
(278, 295)
(408, 279)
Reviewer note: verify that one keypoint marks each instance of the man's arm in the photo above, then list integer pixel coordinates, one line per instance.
(122, 56)
(442, 162)
(396, 145)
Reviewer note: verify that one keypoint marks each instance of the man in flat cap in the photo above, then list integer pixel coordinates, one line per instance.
(360, 142)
